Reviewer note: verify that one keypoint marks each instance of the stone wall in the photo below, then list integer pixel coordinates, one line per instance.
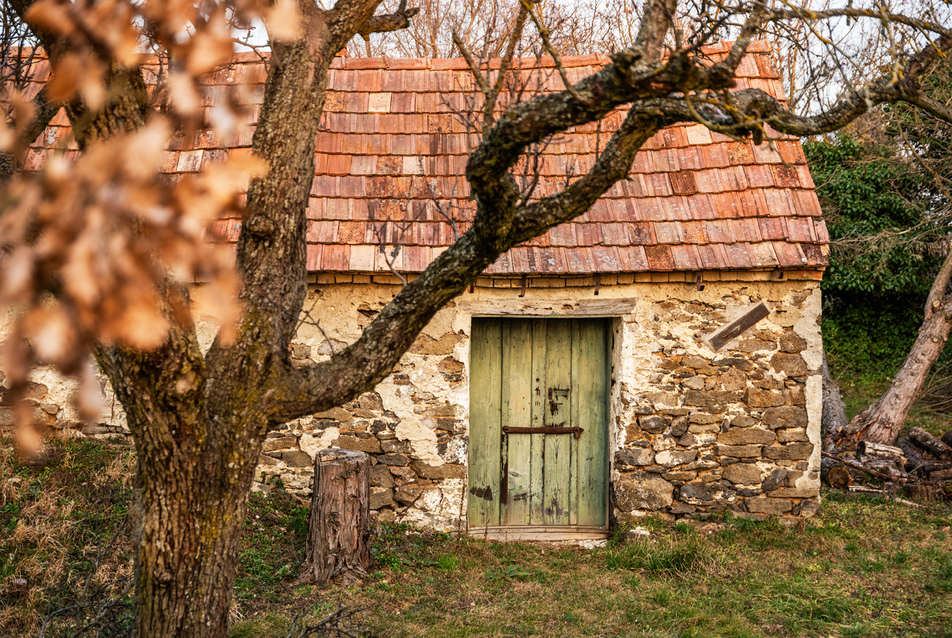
(693, 432)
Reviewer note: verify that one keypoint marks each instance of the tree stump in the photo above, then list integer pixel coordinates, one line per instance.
(338, 535)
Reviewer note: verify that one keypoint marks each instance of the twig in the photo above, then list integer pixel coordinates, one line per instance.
(863, 489)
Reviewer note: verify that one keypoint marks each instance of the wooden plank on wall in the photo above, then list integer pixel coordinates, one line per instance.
(734, 329)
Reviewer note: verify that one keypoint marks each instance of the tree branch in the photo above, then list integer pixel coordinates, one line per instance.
(390, 22)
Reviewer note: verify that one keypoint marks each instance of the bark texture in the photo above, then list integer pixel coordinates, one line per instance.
(834, 410)
(338, 536)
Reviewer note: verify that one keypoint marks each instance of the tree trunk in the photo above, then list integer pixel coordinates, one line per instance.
(339, 531)
(834, 418)
(882, 421)
(186, 553)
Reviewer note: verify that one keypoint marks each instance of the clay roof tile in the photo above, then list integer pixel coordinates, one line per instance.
(391, 157)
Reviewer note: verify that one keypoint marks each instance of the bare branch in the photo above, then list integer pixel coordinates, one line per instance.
(390, 22)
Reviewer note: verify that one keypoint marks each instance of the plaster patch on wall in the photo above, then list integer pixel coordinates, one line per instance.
(314, 444)
(808, 328)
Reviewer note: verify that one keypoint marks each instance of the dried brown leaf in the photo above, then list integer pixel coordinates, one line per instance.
(283, 20)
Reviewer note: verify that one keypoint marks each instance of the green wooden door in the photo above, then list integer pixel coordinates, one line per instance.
(538, 445)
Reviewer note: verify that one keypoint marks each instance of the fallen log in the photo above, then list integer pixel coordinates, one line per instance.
(947, 438)
(915, 456)
(931, 443)
(886, 476)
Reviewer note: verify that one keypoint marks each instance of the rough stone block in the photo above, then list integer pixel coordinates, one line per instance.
(678, 427)
(792, 435)
(790, 416)
(742, 421)
(664, 399)
(371, 445)
(688, 440)
(792, 365)
(754, 345)
(757, 398)
(335, 414)
(679, 477)
(682, 509)
(370, 401)
(775, 479)
(711, 398)
(739, 451)
(746, 436)
(267, 460)
(693, 383)
(735, 362)
(792, 342)
(693, 361)
(672, 458)
(393, 459)
(297, 458)
(407, 494)
(635, 456)
(742, 474)
(769, 506)
(380, 497)
(769, 384)
(279, 443)
(439, 472)
(733, 380)
(7, 416)
(790, 451)
(403, 474)
(394, 445)
(704, 429)
(380, 476)
(798, 492)
(653, 424)
(795, 396)
(641, 492)
(696, 493)
(807, 508)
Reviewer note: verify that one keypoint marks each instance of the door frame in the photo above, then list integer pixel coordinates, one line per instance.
(611, 309)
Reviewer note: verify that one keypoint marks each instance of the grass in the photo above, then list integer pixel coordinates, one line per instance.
(864, 567)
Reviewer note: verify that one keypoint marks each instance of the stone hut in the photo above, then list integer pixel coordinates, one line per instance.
(660, 355)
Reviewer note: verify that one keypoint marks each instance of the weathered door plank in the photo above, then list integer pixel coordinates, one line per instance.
(485, 427)
(517, 390)
(557, 410)
(593, 387)
(537, 442)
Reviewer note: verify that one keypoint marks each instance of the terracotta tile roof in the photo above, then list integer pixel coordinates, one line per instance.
(391, 156)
